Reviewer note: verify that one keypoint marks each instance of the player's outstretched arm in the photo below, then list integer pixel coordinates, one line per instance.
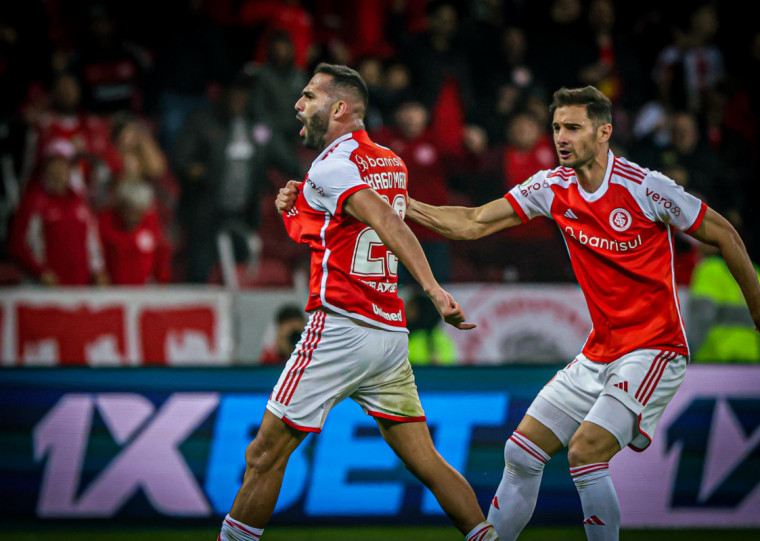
(717, 231)
(369, 208)
(464, 223)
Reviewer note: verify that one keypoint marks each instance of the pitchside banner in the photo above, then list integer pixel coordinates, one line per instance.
(143, 443)
(115, 326)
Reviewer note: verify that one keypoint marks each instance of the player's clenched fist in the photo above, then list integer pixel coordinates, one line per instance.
(286, 198)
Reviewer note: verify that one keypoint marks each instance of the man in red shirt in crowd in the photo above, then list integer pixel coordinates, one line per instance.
(54, 235)
(136, 251)
(410, 139)
(90, 134)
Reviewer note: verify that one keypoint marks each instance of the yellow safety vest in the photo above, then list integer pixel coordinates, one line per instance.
(721, 329)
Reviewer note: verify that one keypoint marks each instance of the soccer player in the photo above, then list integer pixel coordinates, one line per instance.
(616, 219)
(349, 211)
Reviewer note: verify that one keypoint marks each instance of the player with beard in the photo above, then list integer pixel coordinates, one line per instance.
(349, 211)
(616, 218)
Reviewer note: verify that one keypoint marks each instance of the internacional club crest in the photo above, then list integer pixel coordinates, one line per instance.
(620, 219)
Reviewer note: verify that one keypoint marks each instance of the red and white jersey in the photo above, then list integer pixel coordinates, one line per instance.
(621, 246)
(352, 272)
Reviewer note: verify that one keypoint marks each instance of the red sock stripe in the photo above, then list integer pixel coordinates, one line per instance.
(527, 449)
(593, 519)
(241, 528)
(583, 470)
(535, 448)
(480, 534)
(311, 336)
(652, 378)
(308, 359)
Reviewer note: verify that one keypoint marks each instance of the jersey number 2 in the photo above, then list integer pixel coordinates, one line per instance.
(371, 257)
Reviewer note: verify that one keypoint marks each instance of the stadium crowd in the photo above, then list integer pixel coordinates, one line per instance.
(144, 142)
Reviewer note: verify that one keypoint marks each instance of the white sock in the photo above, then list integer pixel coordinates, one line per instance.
(601, 510)
(483, 532)
(515, 499)
(232, 530)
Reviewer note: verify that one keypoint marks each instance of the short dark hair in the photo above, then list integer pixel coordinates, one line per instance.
(598, 106)
(289, 311)
(347, 78)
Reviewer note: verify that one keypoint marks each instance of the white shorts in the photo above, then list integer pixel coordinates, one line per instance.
(338, 358)
(644, 381)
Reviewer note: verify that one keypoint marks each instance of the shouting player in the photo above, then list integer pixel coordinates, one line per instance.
(616, 218)
(349, 210)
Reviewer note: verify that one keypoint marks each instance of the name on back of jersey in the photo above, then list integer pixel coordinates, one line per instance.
(383, 180)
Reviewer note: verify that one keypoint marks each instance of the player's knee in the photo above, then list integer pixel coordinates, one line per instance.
(584, 450)
(260, 457)
(518, 460)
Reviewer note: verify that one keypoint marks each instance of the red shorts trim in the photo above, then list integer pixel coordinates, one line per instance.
(397, 418)
(647, 436)
(291, 424)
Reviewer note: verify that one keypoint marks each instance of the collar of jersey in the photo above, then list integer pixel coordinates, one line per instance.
(590, 197)
(360, 134)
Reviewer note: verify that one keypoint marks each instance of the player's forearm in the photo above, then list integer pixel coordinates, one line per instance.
(400, 240)
(735, 254)
(455, 223)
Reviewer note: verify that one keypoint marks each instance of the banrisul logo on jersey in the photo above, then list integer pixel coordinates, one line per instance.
(620, 219)
(603, 243)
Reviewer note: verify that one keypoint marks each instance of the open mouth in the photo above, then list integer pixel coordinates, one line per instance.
(564, 154)
(303, 128)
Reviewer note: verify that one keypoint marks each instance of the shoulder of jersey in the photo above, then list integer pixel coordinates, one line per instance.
(558, 175)
(626, 172)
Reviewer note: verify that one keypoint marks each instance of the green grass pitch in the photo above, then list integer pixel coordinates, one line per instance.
(369, 533)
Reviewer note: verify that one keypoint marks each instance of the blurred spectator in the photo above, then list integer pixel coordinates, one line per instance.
(719, 327)
(396, 88)
(697, 167)
(281, 15)
(692, 63)
(144, 159)
(371, 70)
(429, 344)
(534, 254)
(55, 235)
(112, 70)
(615, 70)
(192, 59)
(509, 81)
(279, 83)
(221, 159)
(441, 76)
(135, 249)
(529, 149)
(410, 138)
(97, 159)
(290, 322)
(565, 31)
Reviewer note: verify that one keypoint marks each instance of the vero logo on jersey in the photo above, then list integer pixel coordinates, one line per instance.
(620, 219)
